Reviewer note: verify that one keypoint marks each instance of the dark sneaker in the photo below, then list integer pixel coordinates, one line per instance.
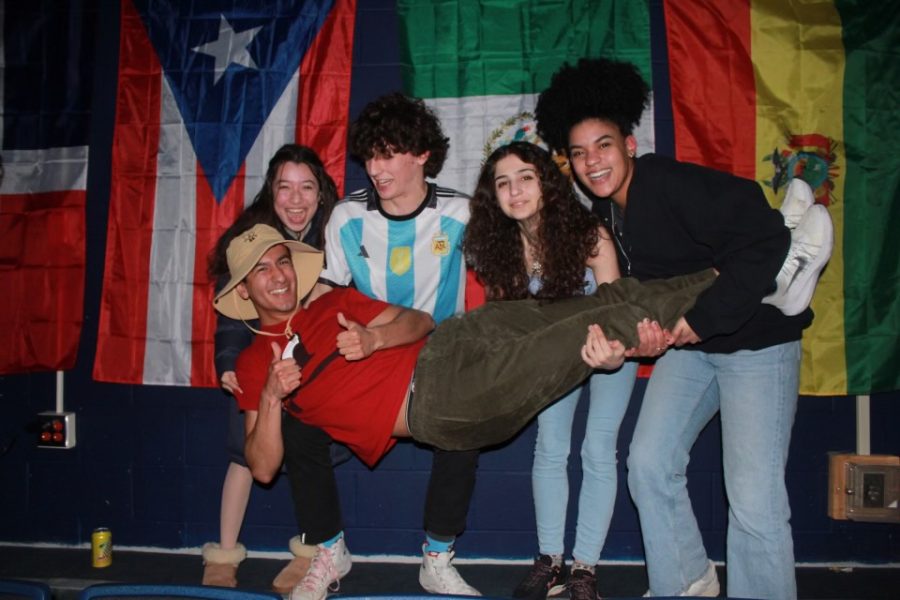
(542, 581)
(582, 585)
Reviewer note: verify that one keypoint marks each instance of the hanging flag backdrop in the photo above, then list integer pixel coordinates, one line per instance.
(483, 81)
(813, 94)
(46, 68)
(481, 65)
(207, 92)
(765, 89)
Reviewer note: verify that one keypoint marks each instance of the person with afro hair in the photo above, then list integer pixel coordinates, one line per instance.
(400, 241)
(733, 353)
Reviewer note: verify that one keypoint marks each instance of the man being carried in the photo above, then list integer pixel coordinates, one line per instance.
(360, 369)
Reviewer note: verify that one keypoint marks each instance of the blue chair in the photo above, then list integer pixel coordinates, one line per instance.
(133, 591)
(31, 590)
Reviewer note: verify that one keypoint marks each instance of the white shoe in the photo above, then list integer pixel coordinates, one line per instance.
(438, 576)
(705, 587)
(797, 200)
(811, 245)
(326, 569)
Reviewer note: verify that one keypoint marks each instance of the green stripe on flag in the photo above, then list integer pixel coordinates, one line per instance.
(480, 65)
(481, 48)
(871, 35)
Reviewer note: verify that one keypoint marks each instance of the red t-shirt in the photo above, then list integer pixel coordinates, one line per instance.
(355, 402)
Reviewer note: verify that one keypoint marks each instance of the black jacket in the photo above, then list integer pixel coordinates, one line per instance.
(681, 218)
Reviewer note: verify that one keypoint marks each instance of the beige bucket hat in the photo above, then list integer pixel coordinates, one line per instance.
(244, 252)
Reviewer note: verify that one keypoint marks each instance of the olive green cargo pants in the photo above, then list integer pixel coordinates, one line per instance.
(483, 375)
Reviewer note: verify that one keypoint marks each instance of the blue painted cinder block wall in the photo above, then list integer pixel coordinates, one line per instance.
(150, 460)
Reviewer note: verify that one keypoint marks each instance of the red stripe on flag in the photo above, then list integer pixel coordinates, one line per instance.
(212, 220)
(123, 334)
(42, 262)
(123, 312)
(475, 294)
(324, 98)
(712, 82)
(645, 370)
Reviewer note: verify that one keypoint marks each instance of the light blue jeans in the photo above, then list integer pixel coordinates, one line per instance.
(755, 392)
(609, 396)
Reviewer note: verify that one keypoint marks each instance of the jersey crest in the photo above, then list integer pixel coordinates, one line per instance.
(401, 260)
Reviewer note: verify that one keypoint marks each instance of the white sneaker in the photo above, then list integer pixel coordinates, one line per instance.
(797, 200)
(326, 569)
(811, 244)
(705, 587)
(438, 576)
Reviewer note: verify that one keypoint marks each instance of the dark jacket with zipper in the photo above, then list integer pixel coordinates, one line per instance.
(682, 218)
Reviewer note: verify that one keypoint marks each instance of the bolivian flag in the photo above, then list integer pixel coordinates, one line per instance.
(765, 89)
(772, 90)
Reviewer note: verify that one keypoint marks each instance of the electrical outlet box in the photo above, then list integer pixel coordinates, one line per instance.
(56, 430)
(864, 487)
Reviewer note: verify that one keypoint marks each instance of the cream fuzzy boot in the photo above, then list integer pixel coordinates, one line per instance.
(295, 570)
(220, 566)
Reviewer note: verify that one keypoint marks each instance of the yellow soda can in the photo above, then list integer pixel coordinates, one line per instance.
(101, 548)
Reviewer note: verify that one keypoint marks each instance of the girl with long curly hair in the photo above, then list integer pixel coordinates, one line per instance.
(527, 224)
(529, 236)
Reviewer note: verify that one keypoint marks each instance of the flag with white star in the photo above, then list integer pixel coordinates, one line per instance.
(208, 90)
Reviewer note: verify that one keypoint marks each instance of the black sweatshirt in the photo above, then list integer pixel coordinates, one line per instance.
(681, 218)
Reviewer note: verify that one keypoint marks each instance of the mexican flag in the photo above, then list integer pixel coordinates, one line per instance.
(766, 89)
(481, 65)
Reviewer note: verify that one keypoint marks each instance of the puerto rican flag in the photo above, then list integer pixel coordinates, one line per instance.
(207, 92)
(46, 65)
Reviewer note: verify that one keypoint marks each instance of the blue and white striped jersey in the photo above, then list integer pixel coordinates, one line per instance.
(415, 260)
